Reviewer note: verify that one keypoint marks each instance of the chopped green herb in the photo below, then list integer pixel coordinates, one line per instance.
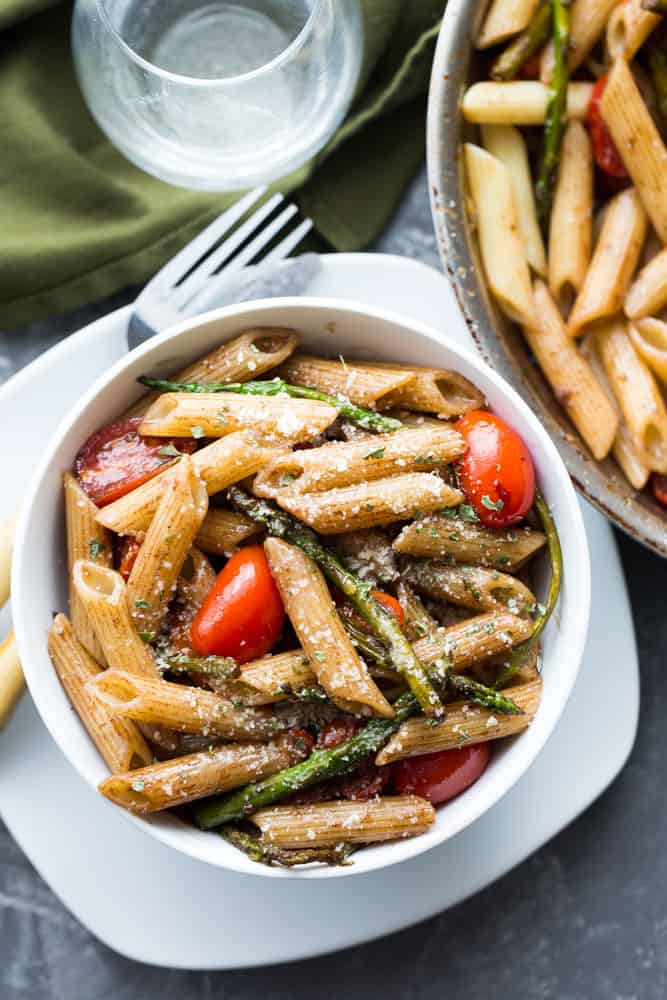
(96, 548)
(287, 478)
(368, 507)
(169, 451)
(503, 560)
(143, 605)
(147, 636)
(378, 453)
(198, 432)
(491, 504)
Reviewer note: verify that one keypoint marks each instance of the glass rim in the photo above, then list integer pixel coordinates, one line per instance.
(216, 81)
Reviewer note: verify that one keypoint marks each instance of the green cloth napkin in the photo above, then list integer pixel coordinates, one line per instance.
(78, 221)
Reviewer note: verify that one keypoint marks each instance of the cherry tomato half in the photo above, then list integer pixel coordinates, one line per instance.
(116, 459)
(440, 776)
(659, 484)
(126, 552)
(605, 152)
(390, 604)
(496, 471)
(243, 614)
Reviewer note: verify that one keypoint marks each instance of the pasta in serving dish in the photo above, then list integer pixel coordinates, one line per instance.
(567, 195)
(305, 630)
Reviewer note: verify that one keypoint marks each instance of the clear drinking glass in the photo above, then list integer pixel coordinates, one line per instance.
(218, 95)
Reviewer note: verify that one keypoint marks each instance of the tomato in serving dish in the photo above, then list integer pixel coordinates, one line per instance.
(605, 152)
(440, 776)
(496, 472)
(243, 614)
(116, 459)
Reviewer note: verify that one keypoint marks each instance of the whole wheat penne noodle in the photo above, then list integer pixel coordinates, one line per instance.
(435, 390)
(209, 772)
(628, 28)
(519, 102)
(242, 359)
(12, 681)
(338, 464)
(649, 337)
(412, 419)
(161, 555)
(276, 419)
(588, 20)
(366, 505)
(465, 724)
(473, 641)
(504, 19)
(613, 264)
(333, 658)
(570, 376)
(507, 144)
(328, 823)
(196, 579)
(624, 449)
(638, 141)
(118, 740)
(361, 383)
(86, 539)
(473, 587)
(441, 537)
(418, 622)
(185, 709)
(648, 293)
(222, 530)
(571, 225)
(218, 464)
(501, 246)
(636, 392)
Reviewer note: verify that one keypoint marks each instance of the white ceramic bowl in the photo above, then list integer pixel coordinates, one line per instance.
(39, 580)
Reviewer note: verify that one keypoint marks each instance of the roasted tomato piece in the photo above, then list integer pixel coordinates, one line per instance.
(116, 459)
(659, 484)
(605, 152)
(125, 555)
(440, 776)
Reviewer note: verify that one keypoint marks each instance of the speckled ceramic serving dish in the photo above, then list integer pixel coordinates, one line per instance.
(499, 341)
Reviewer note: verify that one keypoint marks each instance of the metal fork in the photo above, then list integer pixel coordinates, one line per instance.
(208, 269)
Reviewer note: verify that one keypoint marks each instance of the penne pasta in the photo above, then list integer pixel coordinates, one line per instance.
(178, 517)
(638, 141)
(222, 530)
(571, 224)
(648, 293)
(442, 537)
(507, 144)
(628, 28)
(501, 247)
(519, 102)
(219, 465)
(12, 681)
(329, 823)
(86, 539)
(613, 264)
(360, 382)
(276, 675)
(366, 505)
(332, 657)
(209, 772)
(465, 724)
(118, 740)
(504, 19)
(340, 464)
(418, 622)
(276, 419)
(624, 449)
(104, 596)
(184, 709)
(7, 532)
(588, 20)
(473, 587)
(636, 391)
(649, 338)
(570, 376)
(242, 359)
(435, 390)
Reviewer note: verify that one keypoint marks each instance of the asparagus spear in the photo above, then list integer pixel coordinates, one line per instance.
(532, 38)
(367, 419)
(385, 627)
(267, 854)
(321, 764)
(216, 666)
(519, 654)
(557, 108)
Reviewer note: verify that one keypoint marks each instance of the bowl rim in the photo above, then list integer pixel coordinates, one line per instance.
(443, 133)
(579, 609)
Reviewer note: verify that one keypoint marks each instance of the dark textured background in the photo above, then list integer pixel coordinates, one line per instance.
(584, 918)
